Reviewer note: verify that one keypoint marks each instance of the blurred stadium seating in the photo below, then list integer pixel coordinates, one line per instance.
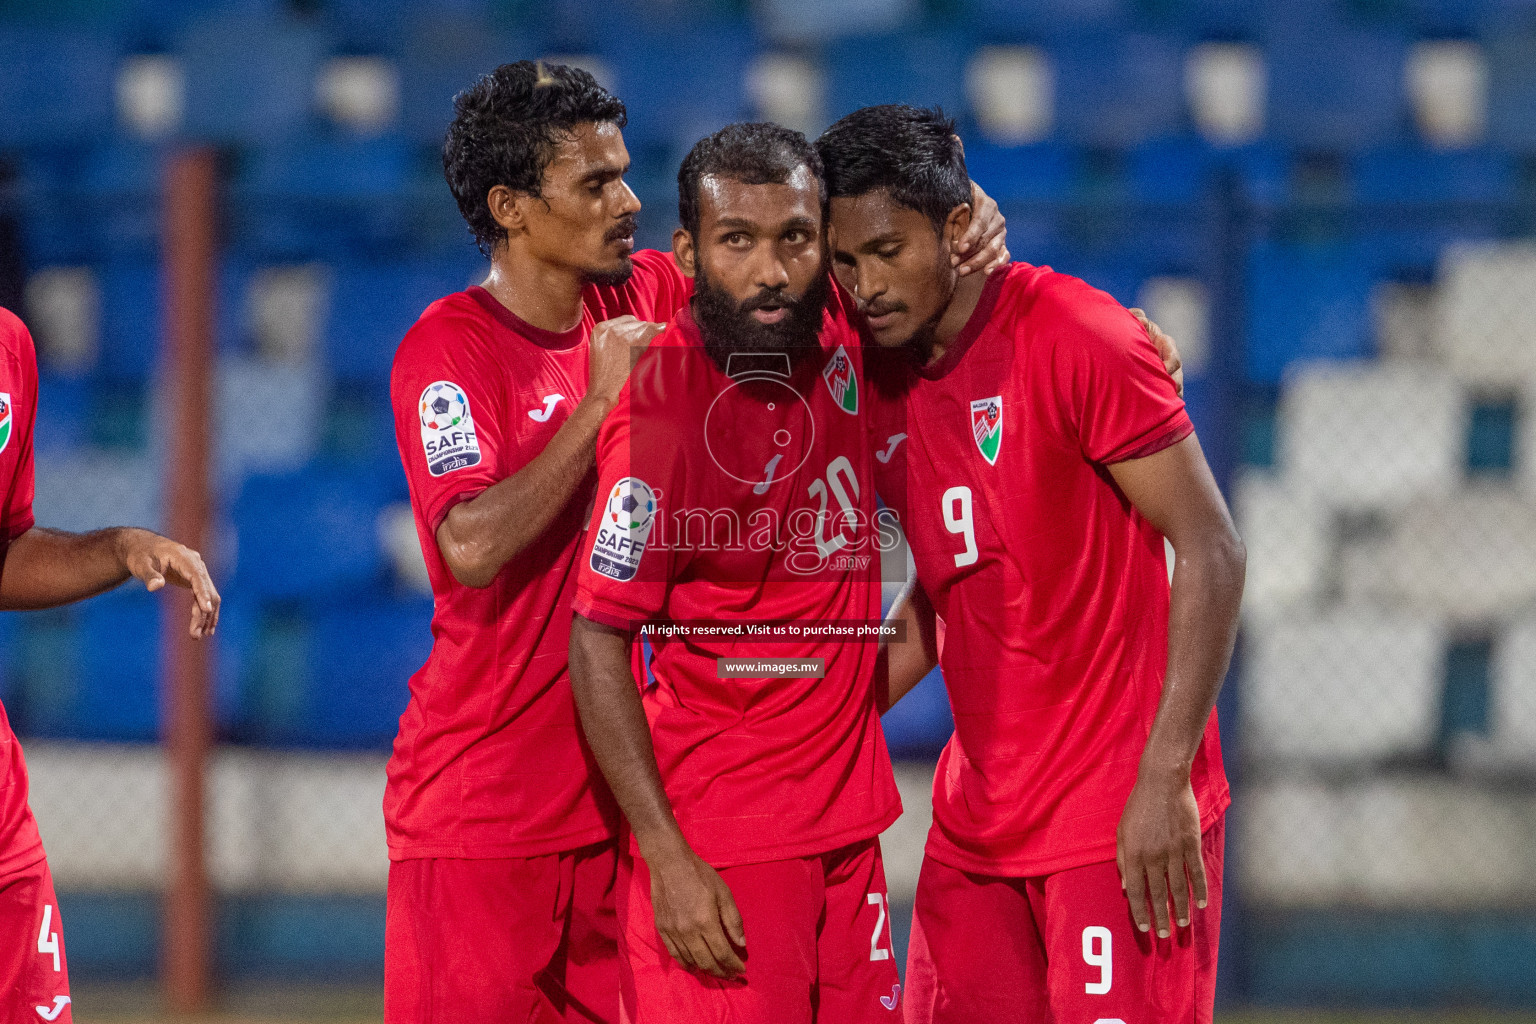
(1331, 203)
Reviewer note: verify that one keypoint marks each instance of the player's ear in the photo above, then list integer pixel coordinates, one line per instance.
(955, 225)
(506, 210)
(683, 251)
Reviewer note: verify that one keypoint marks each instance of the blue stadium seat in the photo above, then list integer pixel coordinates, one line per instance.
(1512, 90)
(250, 81)
(1263, 170)
(63, 413)
(119, 659)
(1009, 18)
(374, 304)
(1221, 18)
(1115, 89)
(319, 196)
(362, 657)
(438, 59)
(56, 88)
(1306, 302)
(1045, 172)
(118, 190)
(333, 674)
(1171, 170)
(374, 23)
(311, 533)
(923, 69)
(130, 318)
(672, 110)
(1402, 175)
(131, 326)
(52, 232)
(813, 22)
(161, 21)
(1332, 87)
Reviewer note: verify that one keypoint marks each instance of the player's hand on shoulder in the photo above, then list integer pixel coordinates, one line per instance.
(611, 352)
(1167, 348)
(696, 914)
(983, 247)
(159, 560)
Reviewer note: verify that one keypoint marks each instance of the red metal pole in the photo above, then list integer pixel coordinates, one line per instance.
(191, 259)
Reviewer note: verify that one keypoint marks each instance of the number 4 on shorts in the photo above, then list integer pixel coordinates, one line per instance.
(48, 941)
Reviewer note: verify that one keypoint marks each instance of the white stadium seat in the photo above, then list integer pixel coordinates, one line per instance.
(1390, 843)
(1486, 322)
(1512, 696)
(1471, 558)
(1289, 538)
(1353, 685)
(1370, 436)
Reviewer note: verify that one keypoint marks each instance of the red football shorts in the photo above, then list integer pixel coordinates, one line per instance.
(986, 949)
(528, 939)
(34, 976)
(818, 947)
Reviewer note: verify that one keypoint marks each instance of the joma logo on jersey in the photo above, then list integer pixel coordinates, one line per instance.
(842, 382)
(628, 516)
(987, 426)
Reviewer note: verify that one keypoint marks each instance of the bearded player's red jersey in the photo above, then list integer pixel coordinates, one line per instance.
(1053, 589)
(489, 760)
(728, 502)
(20, 846)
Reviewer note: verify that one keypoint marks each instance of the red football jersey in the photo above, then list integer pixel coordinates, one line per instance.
(726, 503)
(19, 842)
(1053, 590)
(489, 760)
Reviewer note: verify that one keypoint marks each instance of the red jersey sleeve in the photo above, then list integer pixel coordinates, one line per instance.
(18, 395)
(1112, 390)
(449, 414)
(655, 291)
(627, 564)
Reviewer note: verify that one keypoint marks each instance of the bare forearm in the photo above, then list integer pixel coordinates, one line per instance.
(613, 719)
(481, 535)
(1202, 627)
(902, 664)
(44, 568)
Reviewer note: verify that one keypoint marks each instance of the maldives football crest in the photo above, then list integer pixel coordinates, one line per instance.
(987, 426)
(842, 381)
(5, 420)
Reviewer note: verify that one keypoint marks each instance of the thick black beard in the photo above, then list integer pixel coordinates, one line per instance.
(728, 327)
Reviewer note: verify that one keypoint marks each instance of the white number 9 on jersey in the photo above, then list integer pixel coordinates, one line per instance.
(956, 506)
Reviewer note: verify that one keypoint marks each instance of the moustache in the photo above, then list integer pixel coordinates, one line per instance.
(623, 229)
(881, 310)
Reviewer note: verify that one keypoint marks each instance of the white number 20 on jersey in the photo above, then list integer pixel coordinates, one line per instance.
(956, 506)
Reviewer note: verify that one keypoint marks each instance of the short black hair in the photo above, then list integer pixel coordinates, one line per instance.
(505, 129)
(909, 152)
(754, 153)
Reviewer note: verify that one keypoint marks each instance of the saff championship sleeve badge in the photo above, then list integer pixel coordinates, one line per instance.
(447, 429)
(6, 420)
